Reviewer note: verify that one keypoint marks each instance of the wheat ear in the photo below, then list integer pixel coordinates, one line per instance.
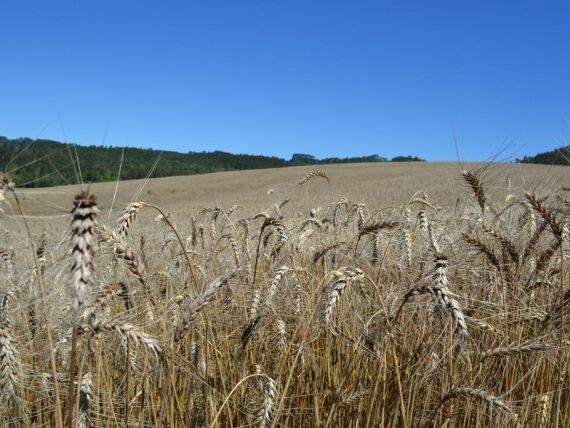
(444, 296)
(473, 393)
(546, 214)
(311, 175)
(82, 232)
(128, 217)
(348, 277)
(515, 350)
(9, 357)
(275, 280)
(475, 183)
(194, 307)
(268, 389)
(85, 397)
(130, 332)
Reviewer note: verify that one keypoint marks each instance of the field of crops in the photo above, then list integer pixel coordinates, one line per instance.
(357, 295)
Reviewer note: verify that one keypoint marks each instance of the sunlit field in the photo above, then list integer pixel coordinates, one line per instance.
(370, 295)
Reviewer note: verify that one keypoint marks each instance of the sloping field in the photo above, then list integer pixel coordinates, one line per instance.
(376, 184)
(380, 295)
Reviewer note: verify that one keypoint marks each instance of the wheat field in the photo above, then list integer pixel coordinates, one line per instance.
(372, 295)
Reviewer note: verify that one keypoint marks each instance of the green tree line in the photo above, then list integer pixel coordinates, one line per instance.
(40, 162)
(560, 156)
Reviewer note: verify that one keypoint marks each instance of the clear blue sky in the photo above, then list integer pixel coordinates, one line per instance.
(330, 78)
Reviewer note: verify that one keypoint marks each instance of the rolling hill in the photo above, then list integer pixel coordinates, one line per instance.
(40, 163)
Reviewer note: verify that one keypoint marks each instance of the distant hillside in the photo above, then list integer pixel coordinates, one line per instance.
(560, 156)
(38, 163)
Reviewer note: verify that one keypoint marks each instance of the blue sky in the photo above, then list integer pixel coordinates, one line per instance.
(329, 78)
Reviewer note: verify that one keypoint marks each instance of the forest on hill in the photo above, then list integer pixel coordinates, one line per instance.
(559, 156)
(40, 162)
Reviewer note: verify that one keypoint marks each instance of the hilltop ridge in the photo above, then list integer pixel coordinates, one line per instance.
(43, 162)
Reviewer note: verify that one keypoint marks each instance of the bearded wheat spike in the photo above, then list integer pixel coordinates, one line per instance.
(124, 252)
(506, 243)
(298, 295)
(406, 213)
(194, 234)
(423, 202)
(82, 231)
(470, 392)
(253, 311)
(194, 307)
(311, 175)
(128, 217)
(281, 332)
(212, 228)
(407, 245)
(533, 240)
(544, 411)
(277, 275)
(283, 238)
(9, 359)
(312, 221)
(530, 220)
(268, 389)
(483, 248)
(514, 350)
(231, 210)
(245, 245)
(235, 250)
(248, 331)
(131, 353)
(302, 238)
(374, 228)
(6, 184)
(195, 355)
(85, 397)
(475, 183)
(354, 397)
(348, 277)
(131, 332)
(423, 221)
(443, 295)
(547, 214)
(322, 251)
(360, 212)
(342, 202)
(376, 248)
(546, 256)
(7, 257)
